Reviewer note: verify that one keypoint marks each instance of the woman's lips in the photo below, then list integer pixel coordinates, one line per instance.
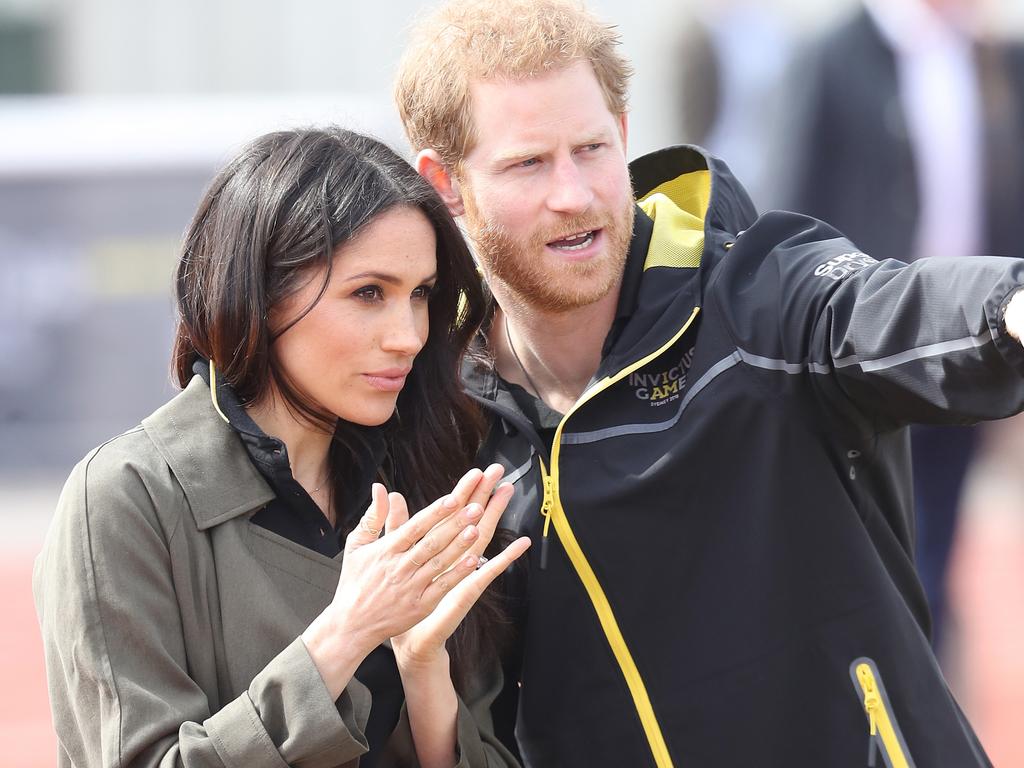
(390, 380)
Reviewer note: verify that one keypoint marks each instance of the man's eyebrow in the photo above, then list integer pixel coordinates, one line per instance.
(516, 155)
(384, 277)
(520, 154)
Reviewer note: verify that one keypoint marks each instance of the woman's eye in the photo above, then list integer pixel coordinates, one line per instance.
(423, 292)
(369, 293)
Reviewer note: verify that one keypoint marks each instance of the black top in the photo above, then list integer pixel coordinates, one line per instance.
(294, 515)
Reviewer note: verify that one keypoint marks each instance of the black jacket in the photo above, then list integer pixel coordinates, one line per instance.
(728, 559)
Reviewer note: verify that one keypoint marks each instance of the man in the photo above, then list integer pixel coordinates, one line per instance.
(925, 134)
(704, 414)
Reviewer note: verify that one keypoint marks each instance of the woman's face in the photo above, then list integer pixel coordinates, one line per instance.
(352, 351)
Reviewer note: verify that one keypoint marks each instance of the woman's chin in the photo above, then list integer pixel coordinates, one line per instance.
(372, 415)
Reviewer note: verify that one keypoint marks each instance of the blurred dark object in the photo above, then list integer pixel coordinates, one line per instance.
(907, 165)
(849, 159)
(732, 59)
(25, 62)
(85, 307)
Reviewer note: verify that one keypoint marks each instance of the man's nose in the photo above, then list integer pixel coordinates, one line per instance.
(570, 189)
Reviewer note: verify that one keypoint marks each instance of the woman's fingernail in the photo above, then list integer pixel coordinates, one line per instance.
(469, 534)
(474, 510)
(471, 562)
(448, 502)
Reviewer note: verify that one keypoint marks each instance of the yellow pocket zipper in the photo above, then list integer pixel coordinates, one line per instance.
(883, 732)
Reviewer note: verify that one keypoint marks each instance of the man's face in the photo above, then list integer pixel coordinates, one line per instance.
(546, 190)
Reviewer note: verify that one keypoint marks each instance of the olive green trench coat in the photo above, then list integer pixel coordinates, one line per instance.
(171, 623)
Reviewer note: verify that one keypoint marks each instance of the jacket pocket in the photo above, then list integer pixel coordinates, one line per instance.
(883, 732)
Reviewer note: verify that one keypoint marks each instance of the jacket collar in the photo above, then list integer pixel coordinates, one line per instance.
(729, 208)
(207, 457)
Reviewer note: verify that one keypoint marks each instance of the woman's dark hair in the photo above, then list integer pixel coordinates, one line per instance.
(269, 220)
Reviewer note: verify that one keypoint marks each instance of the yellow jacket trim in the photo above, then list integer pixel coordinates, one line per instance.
(556, 515)
(678, 208)
(880, 722)
(213, 392)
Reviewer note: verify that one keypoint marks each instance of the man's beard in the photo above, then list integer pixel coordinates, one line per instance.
(526, 270)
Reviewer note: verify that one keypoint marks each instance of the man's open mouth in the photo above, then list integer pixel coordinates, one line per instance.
(576, 242)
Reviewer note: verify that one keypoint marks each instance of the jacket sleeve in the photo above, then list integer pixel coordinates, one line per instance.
(119, 675)
(477, 746)
(917, 343)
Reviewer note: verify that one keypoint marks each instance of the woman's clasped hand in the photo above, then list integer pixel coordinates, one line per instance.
(412, 579)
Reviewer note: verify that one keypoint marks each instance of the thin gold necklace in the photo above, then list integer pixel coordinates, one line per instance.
(321, 483)
(512, 347)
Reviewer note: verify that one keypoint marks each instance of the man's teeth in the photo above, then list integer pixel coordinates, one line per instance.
(570, 243)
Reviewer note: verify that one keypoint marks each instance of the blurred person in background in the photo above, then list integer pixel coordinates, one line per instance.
(705, 414)
(907, 134)
(209, 592)
(733, 55)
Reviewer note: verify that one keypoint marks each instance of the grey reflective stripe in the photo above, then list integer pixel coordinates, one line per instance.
(771, 364)
(579, 438)
(518, 472)
(918, 353)
(879, 364)
(781, 365)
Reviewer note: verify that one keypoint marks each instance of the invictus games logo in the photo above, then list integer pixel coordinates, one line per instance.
(664, 386)
(844, 265)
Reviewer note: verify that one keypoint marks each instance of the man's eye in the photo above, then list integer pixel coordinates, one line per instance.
(369, 293)
(528, 163)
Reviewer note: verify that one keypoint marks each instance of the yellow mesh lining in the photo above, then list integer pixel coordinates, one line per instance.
(678, 207)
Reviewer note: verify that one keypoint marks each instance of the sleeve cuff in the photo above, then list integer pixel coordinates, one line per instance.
(469, 747)
(1011, 349)
(287, 716)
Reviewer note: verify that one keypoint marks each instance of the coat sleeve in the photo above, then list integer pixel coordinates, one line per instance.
(477, 746)
(899, 343)
(119, 674)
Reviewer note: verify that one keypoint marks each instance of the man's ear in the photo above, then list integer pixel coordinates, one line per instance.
(430, 167)
(624, 128)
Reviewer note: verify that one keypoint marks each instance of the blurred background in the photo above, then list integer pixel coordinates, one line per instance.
(115, 113)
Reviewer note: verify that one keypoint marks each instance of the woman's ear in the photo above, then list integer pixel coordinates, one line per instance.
(431, 168)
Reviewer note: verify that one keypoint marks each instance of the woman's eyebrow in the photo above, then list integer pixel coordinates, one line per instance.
(385, 277)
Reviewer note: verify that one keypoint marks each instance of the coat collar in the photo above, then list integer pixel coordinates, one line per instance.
(207, 457)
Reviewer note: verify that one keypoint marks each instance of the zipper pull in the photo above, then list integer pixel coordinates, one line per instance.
(872, 703)
(545, 511)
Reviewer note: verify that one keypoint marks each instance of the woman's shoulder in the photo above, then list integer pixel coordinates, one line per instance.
(122, 482)
(128, 479)
(182, 459)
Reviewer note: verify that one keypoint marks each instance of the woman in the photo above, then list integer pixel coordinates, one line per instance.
(209, 593)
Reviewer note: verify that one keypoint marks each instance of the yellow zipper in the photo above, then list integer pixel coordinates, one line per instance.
(545, 511)
(553, 512)
(881, 724)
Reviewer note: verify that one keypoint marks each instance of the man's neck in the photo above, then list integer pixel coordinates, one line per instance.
(554, 355)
